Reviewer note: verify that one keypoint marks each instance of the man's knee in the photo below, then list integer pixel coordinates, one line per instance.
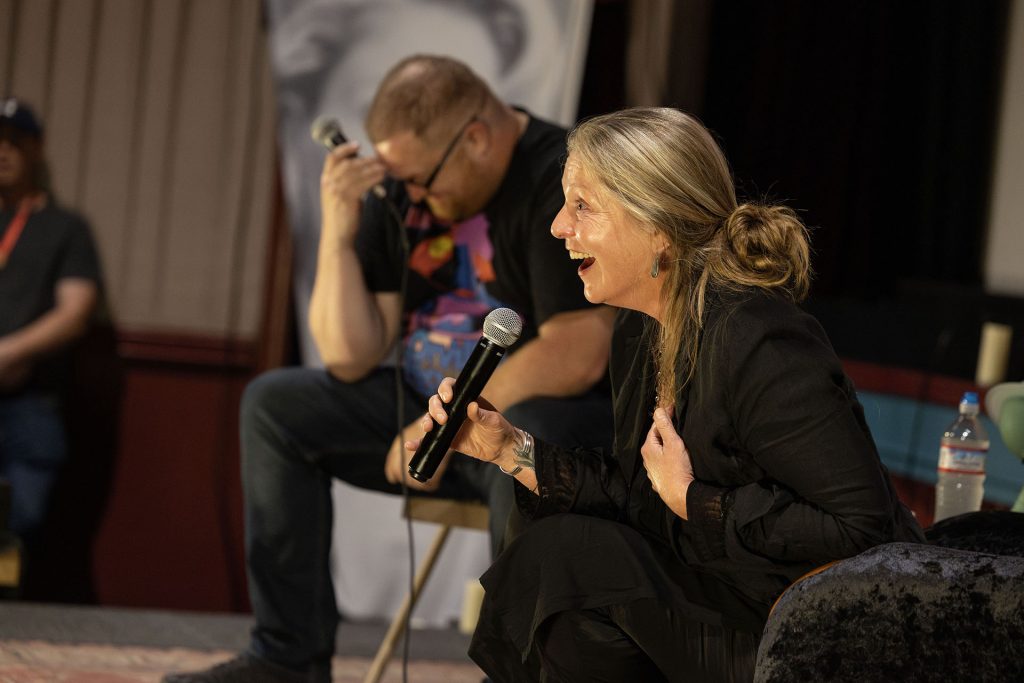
(267, 413)
(264, 392)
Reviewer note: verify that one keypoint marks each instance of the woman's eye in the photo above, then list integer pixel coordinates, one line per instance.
(580, 206)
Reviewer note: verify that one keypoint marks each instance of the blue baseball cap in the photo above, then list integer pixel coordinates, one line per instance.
(19, 115)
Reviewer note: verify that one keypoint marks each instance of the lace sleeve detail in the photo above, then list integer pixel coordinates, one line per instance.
(556, 481)
(707, 508)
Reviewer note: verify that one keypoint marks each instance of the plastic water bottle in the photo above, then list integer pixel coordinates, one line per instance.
(961, 484)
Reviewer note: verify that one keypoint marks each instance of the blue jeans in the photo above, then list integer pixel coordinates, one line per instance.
(33, 447)
(301, 427)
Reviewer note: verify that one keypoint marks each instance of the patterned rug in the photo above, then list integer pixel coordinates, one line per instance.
(34, 661)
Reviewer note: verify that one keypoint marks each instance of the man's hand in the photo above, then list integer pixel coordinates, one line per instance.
(396, 467)
(343, 181)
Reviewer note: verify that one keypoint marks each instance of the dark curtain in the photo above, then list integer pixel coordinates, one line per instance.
(876, 120)
(603, 88)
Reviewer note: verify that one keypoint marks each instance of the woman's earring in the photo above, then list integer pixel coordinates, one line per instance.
(656, 265)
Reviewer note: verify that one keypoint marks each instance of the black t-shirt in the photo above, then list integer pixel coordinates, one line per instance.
(504, 256)
(55, 244)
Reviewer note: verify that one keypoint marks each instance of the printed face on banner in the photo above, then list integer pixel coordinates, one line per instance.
(349, 87)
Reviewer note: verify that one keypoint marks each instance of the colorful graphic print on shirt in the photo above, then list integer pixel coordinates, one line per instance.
(441, 334)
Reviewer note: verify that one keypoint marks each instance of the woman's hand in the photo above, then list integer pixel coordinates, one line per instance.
(485, 435)
(667, 462)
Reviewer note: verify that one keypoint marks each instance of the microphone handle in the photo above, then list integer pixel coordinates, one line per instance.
(337, 139)
(468, 386)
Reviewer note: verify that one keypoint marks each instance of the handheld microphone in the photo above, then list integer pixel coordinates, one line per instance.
(502, 328)
(327, 132)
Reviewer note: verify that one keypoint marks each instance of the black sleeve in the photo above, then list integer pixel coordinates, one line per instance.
(573, 480)
(378, 243)
(79, 258)
(824, 495)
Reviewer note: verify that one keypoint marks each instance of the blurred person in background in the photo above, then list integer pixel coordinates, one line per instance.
(50, 286)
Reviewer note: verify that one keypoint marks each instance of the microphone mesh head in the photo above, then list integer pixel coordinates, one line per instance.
(323, 129)
(503, 327)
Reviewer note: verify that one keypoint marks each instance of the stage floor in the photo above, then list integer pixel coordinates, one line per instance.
(75, 624)
(35, 633)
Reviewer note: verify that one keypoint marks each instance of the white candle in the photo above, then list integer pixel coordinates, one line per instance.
(993, 354)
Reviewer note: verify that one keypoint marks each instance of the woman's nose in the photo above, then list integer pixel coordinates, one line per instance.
(561, 227)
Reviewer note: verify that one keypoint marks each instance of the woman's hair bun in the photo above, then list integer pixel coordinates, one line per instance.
(767, 246)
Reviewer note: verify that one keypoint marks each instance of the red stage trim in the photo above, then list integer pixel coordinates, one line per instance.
(913, 384)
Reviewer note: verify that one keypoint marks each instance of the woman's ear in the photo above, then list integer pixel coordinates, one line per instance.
(660, 243)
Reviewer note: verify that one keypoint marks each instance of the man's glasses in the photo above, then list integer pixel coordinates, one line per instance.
(426, 184)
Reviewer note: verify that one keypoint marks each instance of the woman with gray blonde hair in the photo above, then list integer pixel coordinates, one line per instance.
(741, 459)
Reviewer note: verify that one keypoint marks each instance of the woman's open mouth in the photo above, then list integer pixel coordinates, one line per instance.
(587, 259)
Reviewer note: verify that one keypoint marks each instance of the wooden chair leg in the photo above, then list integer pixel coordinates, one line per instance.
(397, 628)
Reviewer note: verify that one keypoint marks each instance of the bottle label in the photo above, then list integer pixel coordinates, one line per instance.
(961, 460)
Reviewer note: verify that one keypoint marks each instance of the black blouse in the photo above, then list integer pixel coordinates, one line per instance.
(787, 474)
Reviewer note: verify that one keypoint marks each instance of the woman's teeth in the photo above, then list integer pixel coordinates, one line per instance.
(578, 255)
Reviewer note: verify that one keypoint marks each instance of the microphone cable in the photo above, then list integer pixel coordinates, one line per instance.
(326, 131)
(403, 239)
